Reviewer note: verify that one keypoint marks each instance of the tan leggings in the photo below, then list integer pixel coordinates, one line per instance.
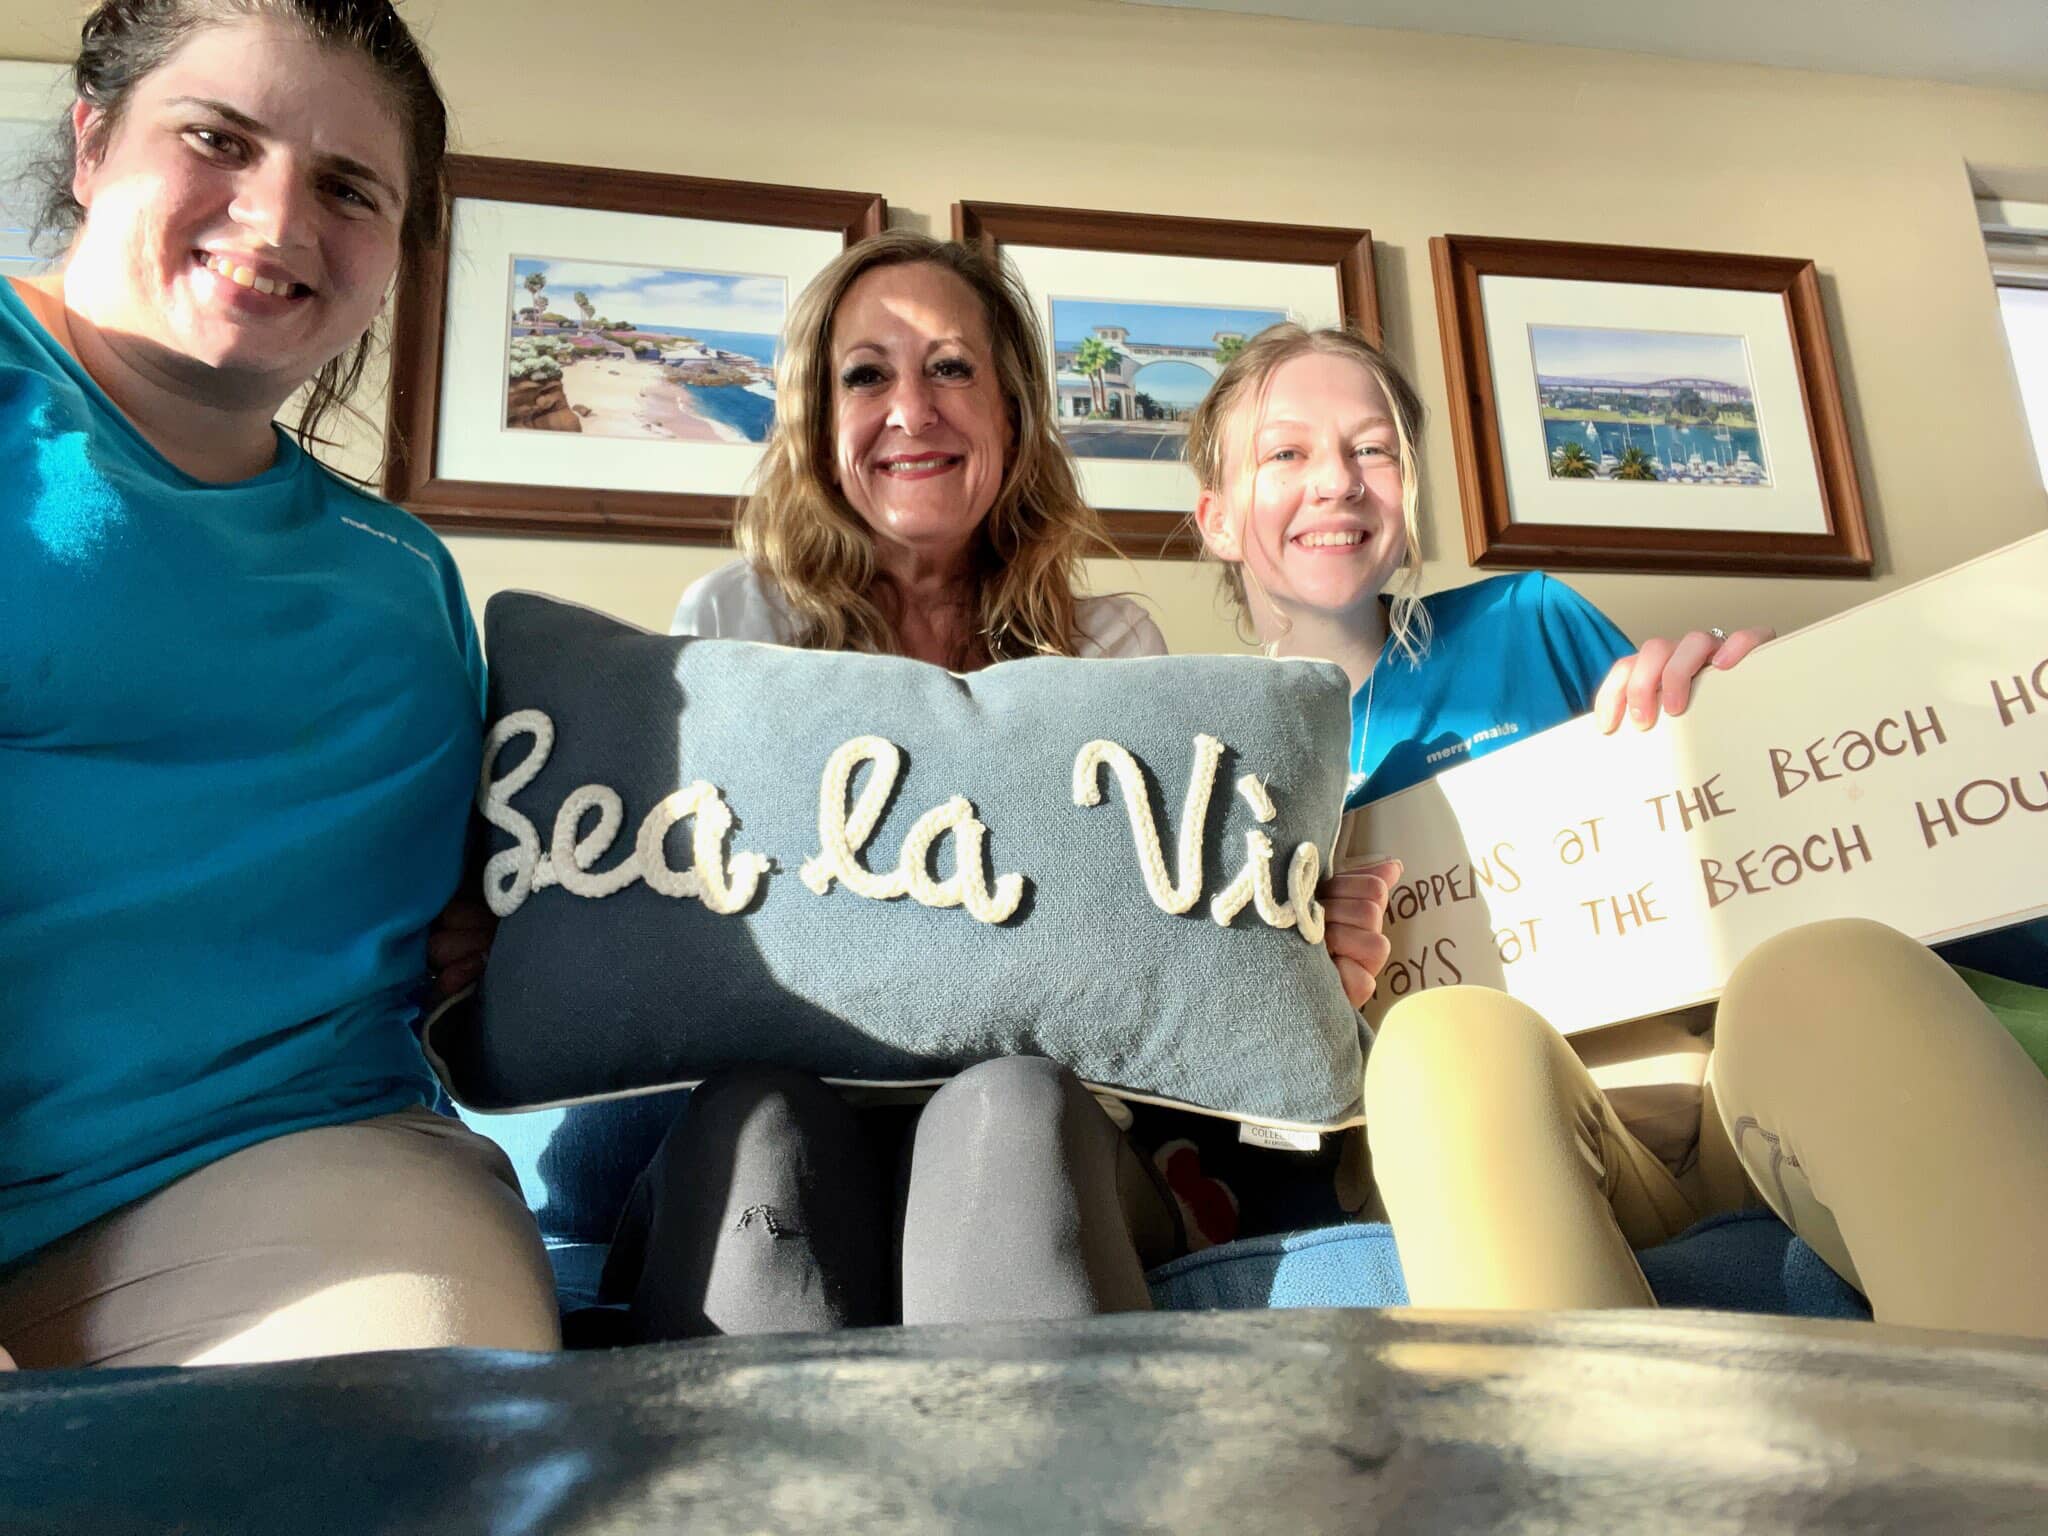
(402, 1232)
(1873, 1101)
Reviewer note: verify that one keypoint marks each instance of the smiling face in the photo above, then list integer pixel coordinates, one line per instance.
(243, 214)
(1311, 502)
(921, 429)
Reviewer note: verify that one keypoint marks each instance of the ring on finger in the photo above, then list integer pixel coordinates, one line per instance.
(1718, 633)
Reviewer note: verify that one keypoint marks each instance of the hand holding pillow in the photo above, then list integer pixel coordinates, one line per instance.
(1354, 910)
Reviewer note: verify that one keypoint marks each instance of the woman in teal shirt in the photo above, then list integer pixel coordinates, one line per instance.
(239, 728)
(1857, 1086)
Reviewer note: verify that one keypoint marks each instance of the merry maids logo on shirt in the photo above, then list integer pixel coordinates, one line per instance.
(1460, 748)
(391, 538)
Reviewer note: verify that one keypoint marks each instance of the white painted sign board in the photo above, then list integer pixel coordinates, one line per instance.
(1890, 762)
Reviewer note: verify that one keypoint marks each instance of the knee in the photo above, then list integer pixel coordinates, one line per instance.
(1827, 952)
(1008, 1097)
(758, 1104)
(1450, 1048)
(1820, 988)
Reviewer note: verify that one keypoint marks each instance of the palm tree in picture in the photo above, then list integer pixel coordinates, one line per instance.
(536, 285)
(588, 309)
(1634, 465)
(1227, 347)
(1571, 462)
(1093, 358)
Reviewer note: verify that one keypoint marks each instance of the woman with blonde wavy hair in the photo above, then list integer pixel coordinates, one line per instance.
(1858, 1085)
(915, 499)
(1307, 458)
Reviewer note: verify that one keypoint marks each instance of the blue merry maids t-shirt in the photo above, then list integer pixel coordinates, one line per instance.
(1507, 657)
(239, 731)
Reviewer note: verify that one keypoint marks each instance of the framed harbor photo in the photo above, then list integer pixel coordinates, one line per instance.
(592, 352)
(1141, 311)
(1618, 408)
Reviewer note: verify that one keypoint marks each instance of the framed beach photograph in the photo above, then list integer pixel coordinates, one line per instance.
(593, 353)
(1141, 312)
(1617, 408)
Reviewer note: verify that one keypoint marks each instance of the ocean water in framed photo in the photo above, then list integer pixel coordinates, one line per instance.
(1666, 408)
(1670, 401)
(647, 352)
(594, 352)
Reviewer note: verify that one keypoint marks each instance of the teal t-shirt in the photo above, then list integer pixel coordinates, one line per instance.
(239, 731)
(1508, 657)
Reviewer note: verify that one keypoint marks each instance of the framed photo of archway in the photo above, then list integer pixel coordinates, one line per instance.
(592, 352)
(1628, 409)
(1140, 312)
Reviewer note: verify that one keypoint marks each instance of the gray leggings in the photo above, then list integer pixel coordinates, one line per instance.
(773, 1206)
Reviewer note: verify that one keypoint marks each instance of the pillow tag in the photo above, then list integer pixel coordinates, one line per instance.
(1276, 1139)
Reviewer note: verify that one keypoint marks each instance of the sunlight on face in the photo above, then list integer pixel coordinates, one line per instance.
(1311, 503)
(244, 213)
(920, 426)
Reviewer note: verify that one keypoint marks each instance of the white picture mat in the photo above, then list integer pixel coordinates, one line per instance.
(1937, 644)
(1307, 293)
(471, 439)
(1791, 503)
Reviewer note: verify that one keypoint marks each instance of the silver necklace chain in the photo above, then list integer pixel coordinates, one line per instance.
(1365, 728)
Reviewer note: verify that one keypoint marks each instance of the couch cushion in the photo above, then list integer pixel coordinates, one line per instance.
(1087, 905)
(1355, 1265)
(1748, 1261)
(576, 1164)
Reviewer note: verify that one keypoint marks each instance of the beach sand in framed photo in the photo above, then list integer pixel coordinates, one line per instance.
(1130, 373)
(609, 349)
(1670, 407)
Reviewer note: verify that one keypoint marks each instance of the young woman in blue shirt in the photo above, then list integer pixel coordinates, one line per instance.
(1857, 1083)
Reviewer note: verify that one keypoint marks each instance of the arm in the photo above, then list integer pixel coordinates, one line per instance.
(732, 603)
(459, 939)
(1115, 626)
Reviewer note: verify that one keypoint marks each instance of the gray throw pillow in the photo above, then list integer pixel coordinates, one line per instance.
(714, 852)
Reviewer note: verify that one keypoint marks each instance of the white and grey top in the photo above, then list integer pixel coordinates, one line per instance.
(734, 603)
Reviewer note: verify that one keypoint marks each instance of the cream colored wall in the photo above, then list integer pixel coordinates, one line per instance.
(1090, 103)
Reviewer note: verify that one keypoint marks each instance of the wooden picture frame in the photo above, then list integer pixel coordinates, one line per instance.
(1081, 264)
(1534, 333)
(728, 234)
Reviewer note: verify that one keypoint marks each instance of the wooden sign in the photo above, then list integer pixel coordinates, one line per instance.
(1889, 763)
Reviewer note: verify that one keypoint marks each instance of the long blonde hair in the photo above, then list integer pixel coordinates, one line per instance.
(799, 532)
(1240, 392)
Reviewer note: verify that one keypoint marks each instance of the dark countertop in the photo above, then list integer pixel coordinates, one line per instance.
(1300, 1421)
